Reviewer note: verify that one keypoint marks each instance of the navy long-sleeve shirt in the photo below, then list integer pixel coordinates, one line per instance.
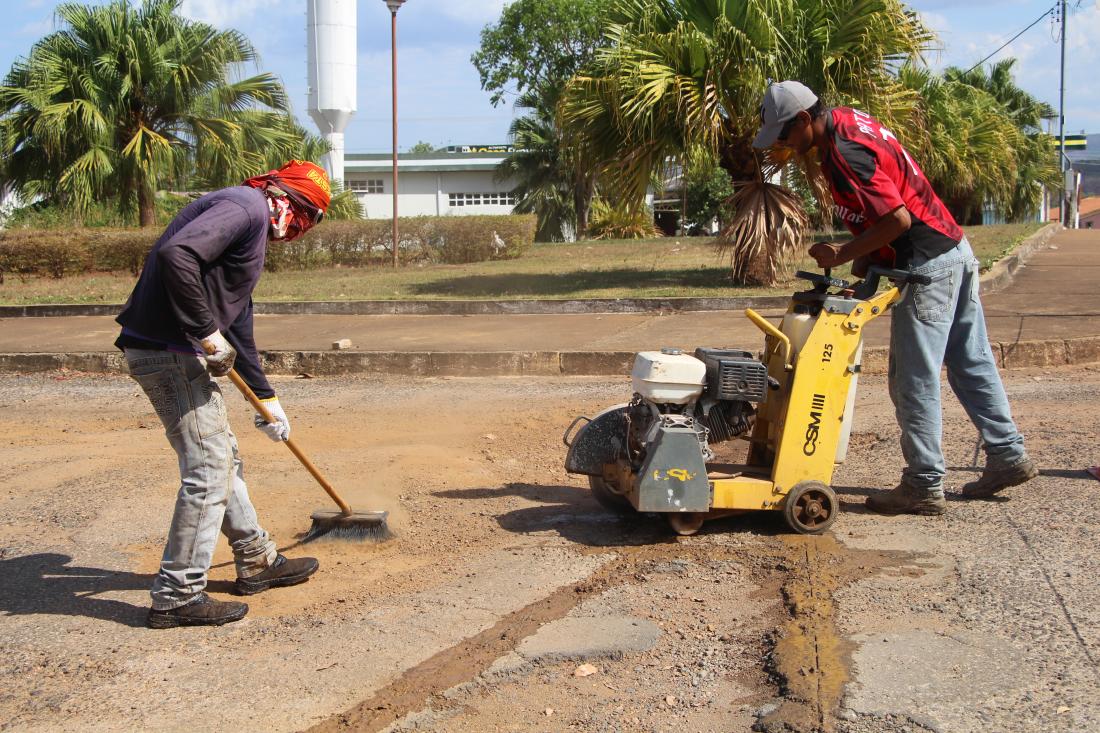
(199, 278)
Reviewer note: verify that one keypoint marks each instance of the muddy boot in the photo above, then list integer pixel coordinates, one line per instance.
(282, 572)
(906, 500)
(997, 479)
(203, 611)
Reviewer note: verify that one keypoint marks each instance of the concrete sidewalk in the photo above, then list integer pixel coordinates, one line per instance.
(1048, 314)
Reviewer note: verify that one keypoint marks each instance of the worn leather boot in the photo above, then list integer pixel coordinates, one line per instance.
(203, 611)
(283, 572)
(904, 499)
(998, 479)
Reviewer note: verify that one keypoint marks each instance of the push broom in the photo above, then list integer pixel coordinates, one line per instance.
(344, 524)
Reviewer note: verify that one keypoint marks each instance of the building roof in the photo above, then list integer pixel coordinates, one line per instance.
(1087, 206)
(425, 162)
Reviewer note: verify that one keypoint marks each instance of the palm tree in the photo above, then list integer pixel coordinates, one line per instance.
(123, 98)
(964, 141)
(685, 77)
(1035, 159)
(551, 183)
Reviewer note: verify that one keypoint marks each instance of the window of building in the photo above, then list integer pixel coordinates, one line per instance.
(370, 185)
(494, 198)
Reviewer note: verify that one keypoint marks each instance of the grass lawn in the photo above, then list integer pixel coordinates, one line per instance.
(668, 267)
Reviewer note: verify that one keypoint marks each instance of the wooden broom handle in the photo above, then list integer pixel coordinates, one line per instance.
(267, 416)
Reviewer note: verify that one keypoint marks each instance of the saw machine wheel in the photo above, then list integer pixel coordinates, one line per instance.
(811, 507)
(686, 523)
(609, 500)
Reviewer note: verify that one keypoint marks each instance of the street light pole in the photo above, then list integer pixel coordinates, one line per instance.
(1063, 209)
(394, 5)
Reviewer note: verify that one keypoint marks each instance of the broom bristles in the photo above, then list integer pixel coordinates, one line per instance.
(357, 527)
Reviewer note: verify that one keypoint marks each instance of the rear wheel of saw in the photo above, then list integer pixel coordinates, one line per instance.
(686, 523)
(608, 499)
(811, 507)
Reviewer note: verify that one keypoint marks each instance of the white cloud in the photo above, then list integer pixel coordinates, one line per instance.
(223, 14)
(473, 11)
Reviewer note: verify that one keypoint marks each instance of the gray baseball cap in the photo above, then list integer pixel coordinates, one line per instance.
(782, 101)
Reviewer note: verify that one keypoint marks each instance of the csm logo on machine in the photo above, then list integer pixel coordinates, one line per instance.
(817, 407)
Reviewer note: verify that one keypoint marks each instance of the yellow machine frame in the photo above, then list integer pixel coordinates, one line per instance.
(798, 426)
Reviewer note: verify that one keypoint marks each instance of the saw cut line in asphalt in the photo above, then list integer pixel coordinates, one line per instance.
(809, 661)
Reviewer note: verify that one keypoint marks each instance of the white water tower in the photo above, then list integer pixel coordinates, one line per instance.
(332, 49)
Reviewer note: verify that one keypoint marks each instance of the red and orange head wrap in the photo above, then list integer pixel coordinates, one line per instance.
(306, 185)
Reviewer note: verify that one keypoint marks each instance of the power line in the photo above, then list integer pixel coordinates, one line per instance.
(1025, 30)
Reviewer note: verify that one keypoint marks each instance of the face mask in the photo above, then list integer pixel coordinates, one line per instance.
(281, 216)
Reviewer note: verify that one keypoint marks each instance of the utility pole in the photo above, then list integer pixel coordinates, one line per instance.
(1063, 210)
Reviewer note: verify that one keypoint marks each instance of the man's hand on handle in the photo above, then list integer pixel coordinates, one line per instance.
(278, 430)
(827, 254)
(219, 354)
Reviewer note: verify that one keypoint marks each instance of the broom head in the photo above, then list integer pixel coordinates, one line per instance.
(357, 526)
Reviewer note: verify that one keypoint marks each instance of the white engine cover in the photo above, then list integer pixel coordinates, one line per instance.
(668, 378)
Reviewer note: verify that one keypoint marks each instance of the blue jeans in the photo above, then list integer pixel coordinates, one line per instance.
(212, 494)
(943, 324)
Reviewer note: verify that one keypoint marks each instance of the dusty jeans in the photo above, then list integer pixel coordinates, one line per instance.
(212, 492)
(943, 324)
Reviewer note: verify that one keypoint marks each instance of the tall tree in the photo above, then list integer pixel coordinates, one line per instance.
(685, 77)
(545, 171)
(125, 97)
(537, 44)
(535, 48)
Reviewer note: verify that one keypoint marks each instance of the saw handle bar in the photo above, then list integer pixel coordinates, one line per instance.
(566, 437)
(867, 289)
(903, 276)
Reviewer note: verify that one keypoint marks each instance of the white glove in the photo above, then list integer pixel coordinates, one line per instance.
(219, 354)
(278, 430)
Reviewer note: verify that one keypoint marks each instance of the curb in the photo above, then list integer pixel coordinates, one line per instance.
(1014, 355)
(1004, 271)
(997, 277)
(441, 307)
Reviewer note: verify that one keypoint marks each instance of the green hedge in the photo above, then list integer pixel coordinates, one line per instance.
(443, 239)
(61, 252)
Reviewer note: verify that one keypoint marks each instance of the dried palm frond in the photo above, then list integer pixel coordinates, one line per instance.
(766, 232)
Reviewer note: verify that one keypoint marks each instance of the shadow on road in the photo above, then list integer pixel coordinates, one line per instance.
(578, 282)
(571, 512)
(45, 583)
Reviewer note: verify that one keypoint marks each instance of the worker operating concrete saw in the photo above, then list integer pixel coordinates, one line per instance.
(189, 319)
(898, 221)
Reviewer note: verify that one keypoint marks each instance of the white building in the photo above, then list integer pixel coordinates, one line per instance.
(432, 184)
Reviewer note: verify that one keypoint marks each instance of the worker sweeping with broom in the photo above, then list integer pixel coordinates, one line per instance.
(189, 319)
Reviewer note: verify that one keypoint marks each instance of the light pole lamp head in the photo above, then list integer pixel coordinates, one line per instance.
(394, 5)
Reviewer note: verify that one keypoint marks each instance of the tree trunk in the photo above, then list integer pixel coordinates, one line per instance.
(582, 203)
(147, 212)
(739, 161)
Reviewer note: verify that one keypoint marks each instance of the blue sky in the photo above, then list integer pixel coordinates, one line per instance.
(440, 100)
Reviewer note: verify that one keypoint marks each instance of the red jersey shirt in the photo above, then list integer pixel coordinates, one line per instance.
(870, 174)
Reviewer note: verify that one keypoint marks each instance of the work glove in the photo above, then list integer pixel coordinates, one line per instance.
(278, 430)
(219, 354)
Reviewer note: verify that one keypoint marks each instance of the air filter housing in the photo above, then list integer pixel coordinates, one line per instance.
(734, 375)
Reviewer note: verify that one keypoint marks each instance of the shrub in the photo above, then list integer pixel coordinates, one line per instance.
(60, 252)
(352, 243)
(445, 239)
